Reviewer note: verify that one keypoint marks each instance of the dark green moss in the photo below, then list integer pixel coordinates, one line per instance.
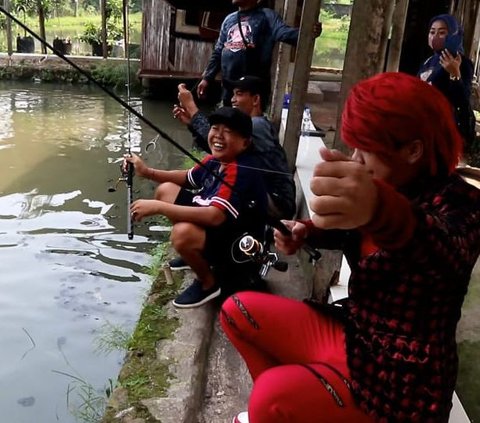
(143, 375)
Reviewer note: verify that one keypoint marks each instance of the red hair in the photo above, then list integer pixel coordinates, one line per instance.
(391, 109)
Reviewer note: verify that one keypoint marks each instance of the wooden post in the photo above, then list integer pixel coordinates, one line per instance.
(475, 56)
(282, 67)
(301, 74)
(398, 29)
(366, 48)
(103, 10)
(9, 30)
(467, 13)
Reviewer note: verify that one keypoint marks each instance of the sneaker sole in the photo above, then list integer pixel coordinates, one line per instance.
(205, 300)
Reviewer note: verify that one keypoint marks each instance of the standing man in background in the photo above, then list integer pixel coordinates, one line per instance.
(245, 46)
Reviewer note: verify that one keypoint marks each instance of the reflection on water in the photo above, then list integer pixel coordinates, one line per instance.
(67, 267)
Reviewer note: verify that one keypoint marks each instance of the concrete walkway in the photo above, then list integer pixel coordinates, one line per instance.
(210, 383)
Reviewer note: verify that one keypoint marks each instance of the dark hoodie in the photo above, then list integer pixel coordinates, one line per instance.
(457, 92)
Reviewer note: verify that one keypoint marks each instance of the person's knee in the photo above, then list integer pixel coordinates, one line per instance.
(166, 191)
(270, 397)
(186, 236)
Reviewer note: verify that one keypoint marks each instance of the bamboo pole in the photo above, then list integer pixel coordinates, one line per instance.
(301, 74)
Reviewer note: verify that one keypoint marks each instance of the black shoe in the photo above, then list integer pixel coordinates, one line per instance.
(195, 296)
(178, 263)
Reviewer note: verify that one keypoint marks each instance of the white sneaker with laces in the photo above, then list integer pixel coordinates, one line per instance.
(241, 418)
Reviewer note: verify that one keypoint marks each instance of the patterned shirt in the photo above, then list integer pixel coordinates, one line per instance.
(405, 298)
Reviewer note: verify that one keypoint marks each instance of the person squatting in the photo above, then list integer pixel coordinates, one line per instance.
(210, 205)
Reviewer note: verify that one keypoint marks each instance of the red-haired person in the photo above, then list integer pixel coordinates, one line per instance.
(408, 225)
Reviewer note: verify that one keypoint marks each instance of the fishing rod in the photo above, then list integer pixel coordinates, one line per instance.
(128, 176)
(127, 171)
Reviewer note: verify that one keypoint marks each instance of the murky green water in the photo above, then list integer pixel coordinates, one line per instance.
(67, 268)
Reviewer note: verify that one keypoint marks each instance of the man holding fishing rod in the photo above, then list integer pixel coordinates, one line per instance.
(229, 200)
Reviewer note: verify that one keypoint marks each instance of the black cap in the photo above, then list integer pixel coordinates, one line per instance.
(234, 119)
(252, 84)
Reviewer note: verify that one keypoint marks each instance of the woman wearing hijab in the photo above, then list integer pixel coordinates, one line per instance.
(450, 70)
(408, 225)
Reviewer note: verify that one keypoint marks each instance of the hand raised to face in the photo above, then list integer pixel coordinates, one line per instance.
(345, 195)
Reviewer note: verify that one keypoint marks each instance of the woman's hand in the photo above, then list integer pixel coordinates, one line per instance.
(345, 195)
(451, 63)
(289, 244)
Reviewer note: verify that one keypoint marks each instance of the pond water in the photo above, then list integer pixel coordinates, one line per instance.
(68, 272)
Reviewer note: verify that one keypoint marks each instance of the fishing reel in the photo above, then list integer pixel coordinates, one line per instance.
(126, 177)
(255, 251)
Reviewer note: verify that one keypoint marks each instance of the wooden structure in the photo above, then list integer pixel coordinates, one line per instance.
(178, 36)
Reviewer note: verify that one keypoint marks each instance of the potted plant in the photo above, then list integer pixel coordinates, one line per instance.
(92, 34)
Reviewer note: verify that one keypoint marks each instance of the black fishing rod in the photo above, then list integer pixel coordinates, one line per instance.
(128, 170)
(127, 175)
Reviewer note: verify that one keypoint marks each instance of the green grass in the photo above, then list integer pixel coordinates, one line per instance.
(69, 26)
(331, 45)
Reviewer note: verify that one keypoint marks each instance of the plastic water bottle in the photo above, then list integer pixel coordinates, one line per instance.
(307, 118)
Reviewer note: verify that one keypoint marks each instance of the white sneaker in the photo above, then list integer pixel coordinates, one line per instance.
(241, 418)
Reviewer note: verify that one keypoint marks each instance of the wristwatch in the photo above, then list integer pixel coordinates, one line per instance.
(454, 78)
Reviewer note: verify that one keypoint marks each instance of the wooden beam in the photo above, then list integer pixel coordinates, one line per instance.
(282, 66)
(475, 56)
(301, 73)
(366, 48)
(466, 12)
(398, 29)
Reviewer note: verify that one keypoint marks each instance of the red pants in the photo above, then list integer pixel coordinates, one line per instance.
(296, 357)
